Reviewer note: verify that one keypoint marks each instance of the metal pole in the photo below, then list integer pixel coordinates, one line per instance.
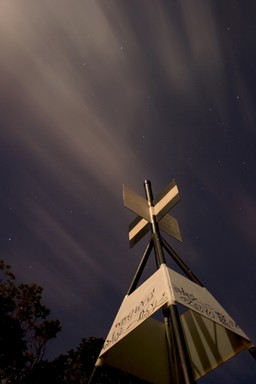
(172, 347)
(188, 377)
(173, 327)
(160, 259)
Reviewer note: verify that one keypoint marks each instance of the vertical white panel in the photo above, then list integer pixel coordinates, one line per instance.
(209, 344)
(201, 301)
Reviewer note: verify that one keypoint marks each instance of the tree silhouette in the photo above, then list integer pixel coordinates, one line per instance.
(24, 328)
(76, 367)
(24, 333)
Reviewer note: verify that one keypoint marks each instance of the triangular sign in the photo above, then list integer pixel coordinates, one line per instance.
(137, 343)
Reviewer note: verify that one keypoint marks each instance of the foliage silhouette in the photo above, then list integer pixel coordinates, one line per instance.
(77, 365)
(24, 328)
(24, 333)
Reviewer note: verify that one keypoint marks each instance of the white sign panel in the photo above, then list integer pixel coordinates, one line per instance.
(148, 298)
(209, 344)
(168, 198)
(142, 353)
(200, 300)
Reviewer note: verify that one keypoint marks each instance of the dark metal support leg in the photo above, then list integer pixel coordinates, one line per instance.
(140, 268)
(93, 375)
(180, 263)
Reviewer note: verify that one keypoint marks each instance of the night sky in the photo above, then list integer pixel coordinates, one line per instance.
(97, 94)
